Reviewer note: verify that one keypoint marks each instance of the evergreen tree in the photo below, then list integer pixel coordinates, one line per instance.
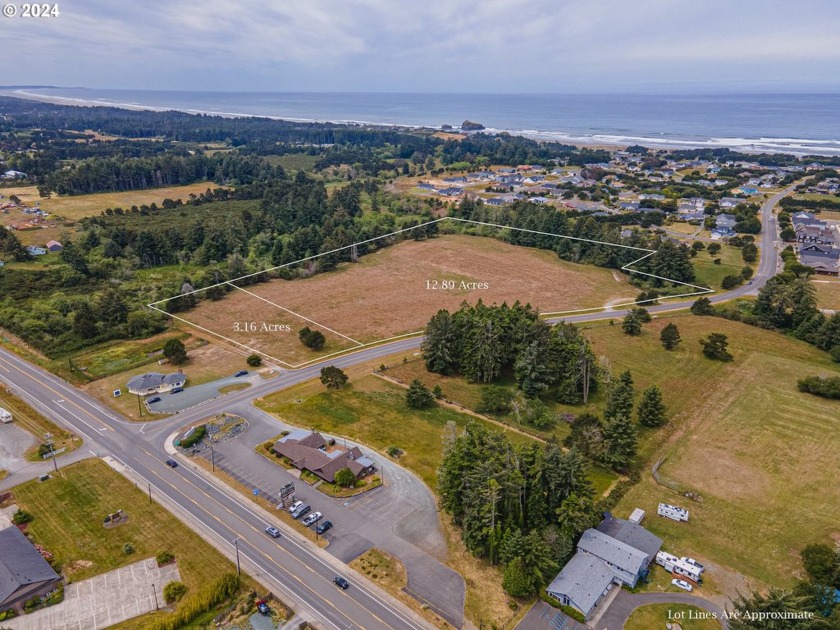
(670, 336)
(703, 305)
(312, 339)
(111, 307)
(516, 581)
(651, 409)
(84, 321)
(620, 398)
(715, 347)
(439, 344)
(333, 377)
(620, 440)
(175, 351)
(531, 369)
(632, 323)
(418, 396)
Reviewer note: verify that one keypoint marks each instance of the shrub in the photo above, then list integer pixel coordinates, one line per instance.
(345, 478)
(199, 602)
(827, 387)
(418, 396)
(128, 549)
(394, 451)
(174, 591)
(22, 516)
(164, 557)
(195, 437)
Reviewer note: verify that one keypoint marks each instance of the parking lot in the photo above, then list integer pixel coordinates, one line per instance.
(196, 394)
(104, 600)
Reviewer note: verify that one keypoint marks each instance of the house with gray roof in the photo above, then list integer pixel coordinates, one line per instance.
(631, 534)
(24, 574)
(582, 583)
(155, 382)
(628, 564)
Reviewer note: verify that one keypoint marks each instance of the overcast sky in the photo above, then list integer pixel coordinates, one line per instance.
(429, 45)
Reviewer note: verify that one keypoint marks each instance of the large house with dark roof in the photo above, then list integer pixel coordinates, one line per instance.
(155, 383)
(24, 574)
(617, 552)
(307, 450)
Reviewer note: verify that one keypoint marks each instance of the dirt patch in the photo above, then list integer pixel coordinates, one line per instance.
(75, 566)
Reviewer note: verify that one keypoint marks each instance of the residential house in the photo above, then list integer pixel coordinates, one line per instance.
(748, 190)
(13, 175)
(24, 574)
(725, 220)
(426, 186)
(652, 197)
(822, 259)
(618, 552)
(721, 233)
(822, 233)
(155, 383)
(54, 246)
(731, 202)
(450, 192)
(307, 450)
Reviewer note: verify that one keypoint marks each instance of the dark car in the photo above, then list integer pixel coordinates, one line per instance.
(341, 582)
(242, 373)
(177, 390)
(272, 531)
(172, 463)
(323, 527)
(153, 400)
(263, 608)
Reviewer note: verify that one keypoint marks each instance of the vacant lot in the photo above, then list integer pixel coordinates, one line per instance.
(710, 274)
(828, 293)
(761, 453)
(390, 293)
(69, 510)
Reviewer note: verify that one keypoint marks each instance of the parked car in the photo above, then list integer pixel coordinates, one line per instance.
(300, 511)
(263, 608)
(312, 518)
(682, 584)
(341, 582)
(323, 527)
(241, 373)
(172, 463)
(295, 506)
(272, 531)
(176, 390)
(153, 400)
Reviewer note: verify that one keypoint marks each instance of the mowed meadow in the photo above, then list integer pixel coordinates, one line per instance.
(392, 292)
(762, 455)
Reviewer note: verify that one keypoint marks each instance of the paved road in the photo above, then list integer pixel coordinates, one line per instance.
(625, 603)
(304, 574)
(294, 569)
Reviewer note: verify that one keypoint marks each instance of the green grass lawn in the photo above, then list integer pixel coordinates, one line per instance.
(709, 274)
(761, 453)
(293, 161)
(657, 615)
(69, 510)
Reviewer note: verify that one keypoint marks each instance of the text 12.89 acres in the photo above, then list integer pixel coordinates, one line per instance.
(452, 285)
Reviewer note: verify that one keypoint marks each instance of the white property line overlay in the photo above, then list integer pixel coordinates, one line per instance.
(647, 253)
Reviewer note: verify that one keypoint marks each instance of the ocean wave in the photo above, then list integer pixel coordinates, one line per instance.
(763, 144)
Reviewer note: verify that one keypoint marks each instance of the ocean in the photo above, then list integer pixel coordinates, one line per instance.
(789, 123)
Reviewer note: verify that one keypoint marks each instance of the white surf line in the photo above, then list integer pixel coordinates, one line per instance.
(311, 321)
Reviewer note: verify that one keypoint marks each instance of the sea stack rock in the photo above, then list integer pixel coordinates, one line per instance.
(469, 125)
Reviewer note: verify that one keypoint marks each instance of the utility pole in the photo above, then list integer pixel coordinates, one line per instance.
(150, 493)
(48, 440)
(212, 459)
(154, 592)
(238, 568)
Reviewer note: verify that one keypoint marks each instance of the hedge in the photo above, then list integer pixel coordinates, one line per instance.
(195, 437)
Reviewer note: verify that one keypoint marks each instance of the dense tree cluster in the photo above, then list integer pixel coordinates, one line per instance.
(480, 342)
(522, 506)
(825, 386)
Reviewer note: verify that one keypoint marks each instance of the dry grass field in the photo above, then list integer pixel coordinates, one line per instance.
(385, 294)
(66, 210)
(828, 293)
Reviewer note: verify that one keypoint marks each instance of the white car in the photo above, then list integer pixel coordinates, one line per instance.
(312, 518)
(295, 506)
(682, 584)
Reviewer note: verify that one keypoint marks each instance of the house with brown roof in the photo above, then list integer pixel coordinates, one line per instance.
(307, 450)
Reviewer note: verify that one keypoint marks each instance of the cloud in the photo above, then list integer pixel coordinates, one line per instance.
(428, 45)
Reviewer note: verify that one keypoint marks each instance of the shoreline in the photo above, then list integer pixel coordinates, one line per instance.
(791, 146)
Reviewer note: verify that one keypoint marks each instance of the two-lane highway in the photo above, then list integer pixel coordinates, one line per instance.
(297, 570)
